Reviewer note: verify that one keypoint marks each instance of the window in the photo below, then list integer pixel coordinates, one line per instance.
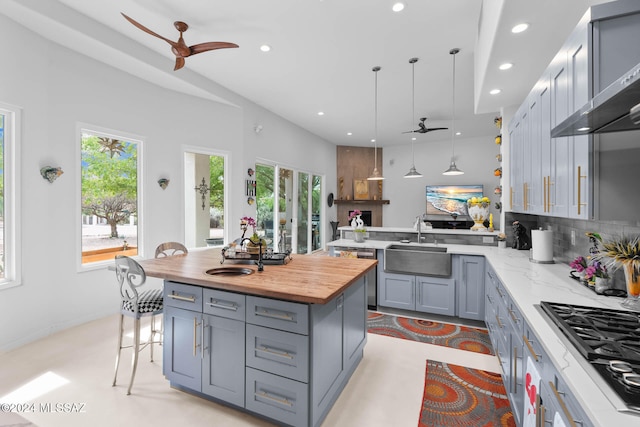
(110, 195)
(9, 202)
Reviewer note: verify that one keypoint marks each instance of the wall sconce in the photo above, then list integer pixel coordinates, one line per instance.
(50, 173)
(203, 189)
(163, 182)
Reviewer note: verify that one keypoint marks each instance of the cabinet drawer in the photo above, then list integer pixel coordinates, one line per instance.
(223, 304)
(278, 352)
(277, 314)
(276, 397)
(184, 296)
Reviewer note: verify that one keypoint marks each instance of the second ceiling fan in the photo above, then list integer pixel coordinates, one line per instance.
(422, 128)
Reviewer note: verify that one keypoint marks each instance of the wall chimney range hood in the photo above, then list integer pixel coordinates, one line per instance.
(615, 109)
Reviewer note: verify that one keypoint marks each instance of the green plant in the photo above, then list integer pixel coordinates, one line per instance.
(622, 250)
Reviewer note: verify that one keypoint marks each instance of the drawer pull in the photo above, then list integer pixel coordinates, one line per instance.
(281, 316)
(499, 322)
(499, 292)
(535, 355)
(275, 352)
(279, 400)
(181, 298)
(562, 404)
(513, 316)
(217, 304)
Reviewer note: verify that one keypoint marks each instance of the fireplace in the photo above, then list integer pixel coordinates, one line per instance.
(366, 217)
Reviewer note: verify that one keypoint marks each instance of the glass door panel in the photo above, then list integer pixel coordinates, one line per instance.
(316, 223)
(303, 213)
(265, 197)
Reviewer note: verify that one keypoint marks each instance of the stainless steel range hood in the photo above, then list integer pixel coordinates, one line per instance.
(608, 111)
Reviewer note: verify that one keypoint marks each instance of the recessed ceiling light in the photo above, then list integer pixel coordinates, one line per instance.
(413, 138)
(321, 113)
(265, 48)
(349, 133)
(397, 6)
(458, 133)
(583, 129)
(519, 28)
(495, 91)
(505, 66)
(373, 140)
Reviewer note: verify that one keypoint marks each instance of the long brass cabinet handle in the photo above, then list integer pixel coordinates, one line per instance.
(562, 404)
(511, 198)
(282, 316)
(181, 298)
(279, 400)
(544, 194)
(219, 304)
(535, 355)
(270, 350)
(580, 177)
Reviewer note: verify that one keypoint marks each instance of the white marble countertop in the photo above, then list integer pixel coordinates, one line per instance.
(529, 283)
(424, 230)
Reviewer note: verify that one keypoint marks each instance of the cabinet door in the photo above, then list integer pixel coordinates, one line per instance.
(224, 363)
(532, 163)
(516, 180)
(182, 349)
(436, 295)
(471, 287)
(355, 321)
(543, 174)
(397, 290)
(560, 165)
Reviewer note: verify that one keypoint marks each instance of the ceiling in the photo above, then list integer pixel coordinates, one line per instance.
(322, 55)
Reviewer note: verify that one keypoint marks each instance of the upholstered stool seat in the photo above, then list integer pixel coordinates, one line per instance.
(148, 302)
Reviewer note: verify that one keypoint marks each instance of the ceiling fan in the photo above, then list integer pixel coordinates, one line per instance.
(423, 128)
(180, 48)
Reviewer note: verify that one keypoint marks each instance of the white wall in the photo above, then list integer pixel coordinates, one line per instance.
(57, 88)
(475, 156)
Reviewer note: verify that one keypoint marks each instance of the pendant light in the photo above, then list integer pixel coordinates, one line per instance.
(375, 175)
(453, 169)
(413, 173)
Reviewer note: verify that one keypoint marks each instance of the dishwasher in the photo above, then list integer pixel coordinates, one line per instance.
(372, 275)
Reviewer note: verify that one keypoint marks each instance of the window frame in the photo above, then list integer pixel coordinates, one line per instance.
(11, 171)
(110, 133)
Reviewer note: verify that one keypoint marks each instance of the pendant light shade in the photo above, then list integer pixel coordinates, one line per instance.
(453, 169)
(375, 175)
(413, 173)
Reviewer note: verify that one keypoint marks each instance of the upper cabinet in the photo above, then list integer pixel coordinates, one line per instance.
(560, 176)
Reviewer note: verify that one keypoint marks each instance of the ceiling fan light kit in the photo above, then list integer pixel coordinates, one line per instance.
(179, 48)
(453, 169)
(375, 175)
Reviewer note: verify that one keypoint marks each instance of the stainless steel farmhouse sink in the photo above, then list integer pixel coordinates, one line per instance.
(414, 259)
(229, 271)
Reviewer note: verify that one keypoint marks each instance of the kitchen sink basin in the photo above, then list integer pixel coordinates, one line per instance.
(417, 259)
(229, 271)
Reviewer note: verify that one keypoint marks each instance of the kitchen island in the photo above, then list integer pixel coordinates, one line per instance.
(280, 343)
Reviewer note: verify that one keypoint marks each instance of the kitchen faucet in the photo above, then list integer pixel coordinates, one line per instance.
(419, 228)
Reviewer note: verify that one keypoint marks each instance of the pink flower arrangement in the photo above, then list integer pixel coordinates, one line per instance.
(597, 269)
(354, 214)
(579, 264)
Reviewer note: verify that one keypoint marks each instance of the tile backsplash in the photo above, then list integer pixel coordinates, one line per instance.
(563, 250)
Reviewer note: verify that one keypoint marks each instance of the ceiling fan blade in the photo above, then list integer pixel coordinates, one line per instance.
(148, 31)
(179, 63)
(204, 47)
(432, 129)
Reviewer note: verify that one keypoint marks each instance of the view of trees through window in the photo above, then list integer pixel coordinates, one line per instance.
(109, 197)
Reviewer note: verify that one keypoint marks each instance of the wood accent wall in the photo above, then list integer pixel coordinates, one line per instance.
(356, 163)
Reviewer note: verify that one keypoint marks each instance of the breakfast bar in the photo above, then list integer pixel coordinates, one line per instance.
(280, 343)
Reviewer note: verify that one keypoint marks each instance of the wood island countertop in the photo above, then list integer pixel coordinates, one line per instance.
(306, 278)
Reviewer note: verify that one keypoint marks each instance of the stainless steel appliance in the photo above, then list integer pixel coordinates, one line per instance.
(609, 340)
(372, 275)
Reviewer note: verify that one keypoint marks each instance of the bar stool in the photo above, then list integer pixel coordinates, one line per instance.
(170, 249)
(136, 303)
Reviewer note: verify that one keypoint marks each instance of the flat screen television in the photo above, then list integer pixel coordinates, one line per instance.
(450, 200)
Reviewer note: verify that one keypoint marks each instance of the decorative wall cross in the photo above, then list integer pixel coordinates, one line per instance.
(203, 189)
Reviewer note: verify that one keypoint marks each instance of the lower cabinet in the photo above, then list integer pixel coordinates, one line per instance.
(470, 289)
(520, 354)
(417, 293)
(283, 360)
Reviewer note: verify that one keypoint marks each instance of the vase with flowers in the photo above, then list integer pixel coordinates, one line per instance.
(254, 242)
(596, 273)
(357, 224)
(579, 265)
(624, 252)
(478, 209)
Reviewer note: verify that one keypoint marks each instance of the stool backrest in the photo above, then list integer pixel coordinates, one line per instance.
(170, 249)
(130, 277)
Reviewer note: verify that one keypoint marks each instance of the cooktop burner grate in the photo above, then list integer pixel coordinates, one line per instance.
(598, 332)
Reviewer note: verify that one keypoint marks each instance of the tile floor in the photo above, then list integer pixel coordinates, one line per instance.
(74, 368)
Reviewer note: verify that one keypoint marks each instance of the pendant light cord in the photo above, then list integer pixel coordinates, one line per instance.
(413, 108)
(453, 103)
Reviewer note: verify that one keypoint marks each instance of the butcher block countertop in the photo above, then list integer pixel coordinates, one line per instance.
(306, 278)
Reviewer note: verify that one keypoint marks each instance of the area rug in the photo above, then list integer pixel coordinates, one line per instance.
(455, 396)
(427, 331)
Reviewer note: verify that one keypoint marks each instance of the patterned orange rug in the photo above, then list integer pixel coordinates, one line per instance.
(455, 396)
(444, 334)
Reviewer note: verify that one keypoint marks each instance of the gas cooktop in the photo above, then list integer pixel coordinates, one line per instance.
(609, 340)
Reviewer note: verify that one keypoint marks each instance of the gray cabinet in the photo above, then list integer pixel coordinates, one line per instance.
(515, 343)
(417, 293)
(470, 289)
(205, 352)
